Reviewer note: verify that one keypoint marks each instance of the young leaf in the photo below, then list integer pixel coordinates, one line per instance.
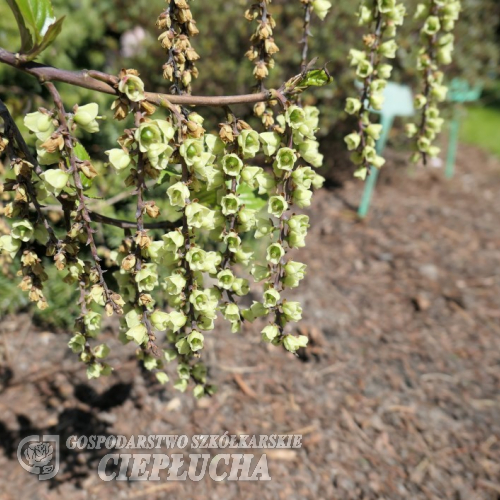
(49, 37)
(250, 198)
(38, 15)
(26, 39)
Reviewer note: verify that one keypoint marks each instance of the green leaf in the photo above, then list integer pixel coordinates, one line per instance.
(50, 36)
(250, 198)
(81, 152)
(316, 78)
(38, 15)
(26, 39)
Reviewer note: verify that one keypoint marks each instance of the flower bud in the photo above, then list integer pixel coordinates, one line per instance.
(274, 253)
(132, 86)
(269, 333)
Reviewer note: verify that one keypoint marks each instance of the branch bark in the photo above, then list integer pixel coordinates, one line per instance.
(85, 79)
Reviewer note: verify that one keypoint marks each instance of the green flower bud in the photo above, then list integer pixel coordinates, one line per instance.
(271, 298)
(22, 230)
(431, 26)
(233, 241)
(388, 49)
(182, 346)
(133, 318)
(246, 219)
(55, 180)
(41, 124)
(299, 223)
(420, 101)
(292, 311)
(321, 8)
(374, 130)
(178, 193)
(230, 204)
(361, 173)
(232, 165)
(352, 105)
(295, 117)
(411, 129)
(364, 69)
(173, 240)
(133, 87)
(269, 333)
(242, 257)
(162, 377)
(147, 278)
(46, 158)
(285, 159)
(439, 92)
(118, 159)
(423, 144)
(274, 253)
(277, 206)
(352, 140)
(138, 333)
(92, 322)
(270, 142)
(232, 313)
(248, 174)
(204, 303)
(265, 227)
(378, 162)
(356, 56)
(292, 343)
(226, 279)
(195, 340)
(101, 351)
(378, 85)
(199, 372)
(77, 343)
(365, 15)
(205, 323)
(256, 310)
(199, 216)
(85, 117)
(191, 150)
(170, 354)
(302, 197)
(241, 287)
(249, 143)
(377, 100)
(175, 284)
(266, 182)
(181, 384)
(214, 144)
(384, 71)
(159, 320)
(198, 391)
(294, 273)
(260, 272)
(176, 320)
(309, 151)
(386, 6)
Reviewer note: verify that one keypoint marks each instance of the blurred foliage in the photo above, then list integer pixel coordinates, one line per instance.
(476, 127)
(112, 34)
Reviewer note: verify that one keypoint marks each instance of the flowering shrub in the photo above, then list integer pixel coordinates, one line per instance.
(226, 186)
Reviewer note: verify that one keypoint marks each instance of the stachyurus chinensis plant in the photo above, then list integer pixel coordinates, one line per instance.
(168, 282)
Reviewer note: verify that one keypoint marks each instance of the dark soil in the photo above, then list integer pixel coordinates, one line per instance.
(398, 396)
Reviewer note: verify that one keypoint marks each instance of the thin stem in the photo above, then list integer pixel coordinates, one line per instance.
(82, 208)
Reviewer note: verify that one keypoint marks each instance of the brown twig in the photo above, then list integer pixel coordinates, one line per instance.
(95, 81)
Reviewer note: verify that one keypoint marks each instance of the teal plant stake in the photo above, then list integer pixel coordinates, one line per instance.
(398, 101)
(459, 91)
